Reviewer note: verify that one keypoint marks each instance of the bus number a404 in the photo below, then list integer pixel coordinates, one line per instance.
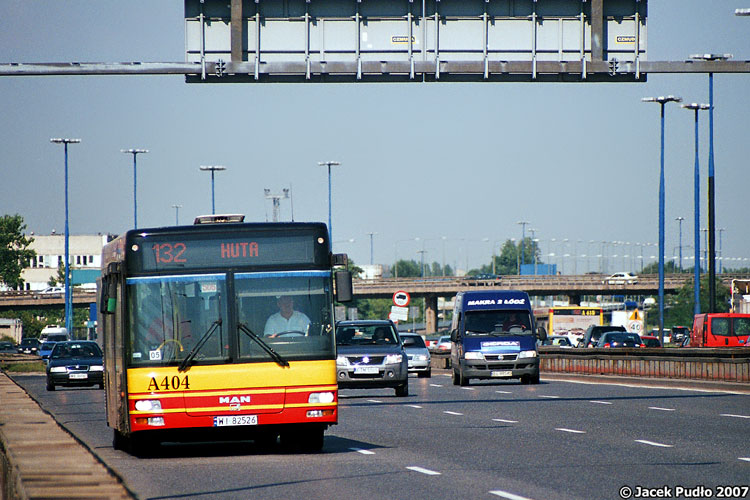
(173, 383)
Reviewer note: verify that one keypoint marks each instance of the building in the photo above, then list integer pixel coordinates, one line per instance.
(12, 328)
(85, 259)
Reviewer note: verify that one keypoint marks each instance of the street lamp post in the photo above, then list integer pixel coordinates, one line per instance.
(523, 224)
(679, 220)
(697, 217)
(371, 248)
(662, 100)
(212, 169)
(329, 164)
(66, 264)
(135, 153)
(711, 208)
(177, 214)
(721, 254)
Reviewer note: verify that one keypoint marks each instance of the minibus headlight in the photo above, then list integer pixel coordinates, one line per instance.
(527, 354)
(393, 358)
(342, 361)
(473, 355)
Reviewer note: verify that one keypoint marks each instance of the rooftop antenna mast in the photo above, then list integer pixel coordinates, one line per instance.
(276, 200)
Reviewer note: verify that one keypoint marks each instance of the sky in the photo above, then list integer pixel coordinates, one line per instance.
(448, 168)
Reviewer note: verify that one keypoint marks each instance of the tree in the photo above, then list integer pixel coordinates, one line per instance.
(679, 308)
(669, 268)
(509, 260)
(407, 269)
(15, 253)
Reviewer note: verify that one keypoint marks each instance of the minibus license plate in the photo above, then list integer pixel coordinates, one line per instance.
(366, 370)
(502, 373)
(236, 420)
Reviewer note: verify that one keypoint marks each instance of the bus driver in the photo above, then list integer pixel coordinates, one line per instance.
(287, 319)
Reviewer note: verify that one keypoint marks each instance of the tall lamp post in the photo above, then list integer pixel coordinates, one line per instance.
(177, 214)
(523, 224)
(679, 220)
(329, 164)
(212, 169)
(662, 100)
(371, 248)
(135, 153)
(711, 209)
(697, 218)
(66, 264)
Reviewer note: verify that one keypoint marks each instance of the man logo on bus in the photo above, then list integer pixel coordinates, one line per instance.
(234, 399)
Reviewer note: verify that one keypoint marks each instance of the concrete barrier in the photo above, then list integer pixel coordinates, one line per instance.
(39, 459)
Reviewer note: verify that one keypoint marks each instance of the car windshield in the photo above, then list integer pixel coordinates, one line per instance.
(29, 342)
(47, 346)
(185, 319)
(365, 334)
(76, 350)
(418, 341)
(497, 322)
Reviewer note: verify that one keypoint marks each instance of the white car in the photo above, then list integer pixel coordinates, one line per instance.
(54, 290)
(621, 279)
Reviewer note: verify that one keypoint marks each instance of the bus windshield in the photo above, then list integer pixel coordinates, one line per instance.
(497, 322)
(186, 319)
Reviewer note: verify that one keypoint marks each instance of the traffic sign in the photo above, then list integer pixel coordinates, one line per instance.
(399, 313)
(401, 298)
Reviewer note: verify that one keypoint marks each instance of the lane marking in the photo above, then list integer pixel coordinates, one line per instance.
(468, 388)
(549, 397)
(505, 421)
(503, 392)
(435, 385)
(601, 402)
(364, 452)
(640, 386)
(569, 430)
(746, 459)
(452, 413)
(735, 416)
(374, 401)
(660, 409)
(651, 443)
(509, 496)
(424, 471)
(414, 406)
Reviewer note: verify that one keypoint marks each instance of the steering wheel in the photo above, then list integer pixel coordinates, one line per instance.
(289, 333)
(516, 328)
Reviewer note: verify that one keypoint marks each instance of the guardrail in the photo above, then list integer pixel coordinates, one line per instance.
(719, 365)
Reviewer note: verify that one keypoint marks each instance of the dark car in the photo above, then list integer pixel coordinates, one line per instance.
(370, 355)
(650, 341)
(75, 363)
(594, 332)
(8, 347)
(29, 345)
(679, 333)
(619, 339)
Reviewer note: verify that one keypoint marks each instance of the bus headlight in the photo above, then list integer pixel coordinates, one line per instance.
(342, 361)
(473, 355)
(320, 398)
(527, 354)
(148, 405)
(393, 359)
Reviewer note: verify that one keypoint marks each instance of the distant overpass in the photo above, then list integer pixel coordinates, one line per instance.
(430, 288)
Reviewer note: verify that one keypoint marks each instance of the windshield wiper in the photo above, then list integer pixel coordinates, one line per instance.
(194, 351)
(275, 355)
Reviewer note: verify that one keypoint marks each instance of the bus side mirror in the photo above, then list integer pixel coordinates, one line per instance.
(541, 333)
(343, 280)
(107, 301)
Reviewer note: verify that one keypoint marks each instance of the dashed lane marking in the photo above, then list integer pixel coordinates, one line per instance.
(549, 397)
(424, 471)
(452, 413)
(735, 416)
(660, 409)
(435, 385)
(509, 496)
(505, 421)
(364, 452)
(374, 401)
(569, 430)
(651, 443)
(503, 392)
(601, 402)
(414, 406)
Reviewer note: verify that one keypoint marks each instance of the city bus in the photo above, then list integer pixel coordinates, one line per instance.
(187, 354)
(573, 321)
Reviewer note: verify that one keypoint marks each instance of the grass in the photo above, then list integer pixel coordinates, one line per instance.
(22, 367)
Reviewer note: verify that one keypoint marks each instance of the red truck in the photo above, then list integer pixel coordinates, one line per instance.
(720, 330)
